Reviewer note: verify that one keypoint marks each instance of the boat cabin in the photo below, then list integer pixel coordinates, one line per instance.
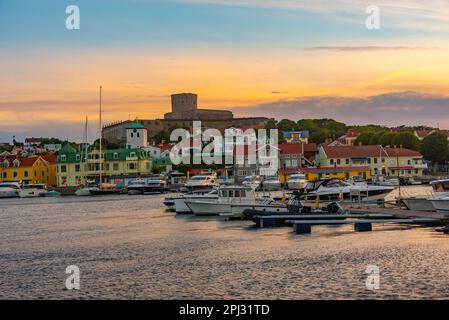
(440, 185)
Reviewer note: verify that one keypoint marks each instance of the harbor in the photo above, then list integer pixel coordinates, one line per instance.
(130, 247)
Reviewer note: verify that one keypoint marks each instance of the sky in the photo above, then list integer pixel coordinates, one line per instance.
(278, 58)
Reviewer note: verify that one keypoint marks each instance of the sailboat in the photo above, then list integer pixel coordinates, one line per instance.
(102, 188)
(85, 186)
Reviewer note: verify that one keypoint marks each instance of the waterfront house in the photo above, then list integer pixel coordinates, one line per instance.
(70, 167)
(30, 170)
(381, 161)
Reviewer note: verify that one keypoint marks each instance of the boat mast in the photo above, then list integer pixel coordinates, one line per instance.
(101, 142)
(83, 152)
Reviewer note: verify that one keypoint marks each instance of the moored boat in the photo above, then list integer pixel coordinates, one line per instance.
(9, 189)
(32, 190)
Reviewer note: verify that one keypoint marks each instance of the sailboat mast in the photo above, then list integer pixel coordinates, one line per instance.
(101, 142)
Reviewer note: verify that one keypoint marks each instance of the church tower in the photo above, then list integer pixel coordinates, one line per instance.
(136, 135)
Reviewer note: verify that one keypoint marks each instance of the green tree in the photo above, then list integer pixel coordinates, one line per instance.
(387, 139)
(319, 136)
(407, 140)
(156, 169)
(375, 139)
(307, 125)
(162, 137)
(286, 125)
(435, 148)
(363, 138)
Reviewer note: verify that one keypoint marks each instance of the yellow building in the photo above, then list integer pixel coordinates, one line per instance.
(29, 170)
(381, 161)
(73, 171)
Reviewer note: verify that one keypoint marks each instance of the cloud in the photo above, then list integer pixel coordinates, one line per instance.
(406, 14)
(392, 109)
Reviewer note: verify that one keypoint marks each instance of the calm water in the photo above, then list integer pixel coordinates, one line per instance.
(129, 247)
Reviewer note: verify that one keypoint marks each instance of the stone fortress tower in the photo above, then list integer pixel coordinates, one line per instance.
(185, 107)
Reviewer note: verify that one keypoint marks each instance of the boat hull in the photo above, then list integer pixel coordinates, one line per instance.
(9, 194)
(440, 205)
(418, 204)
(208, 208)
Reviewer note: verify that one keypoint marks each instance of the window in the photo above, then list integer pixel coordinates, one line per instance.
(132, 166)
(132, 154)
(78, 157)
(63, 157)
(138, 135)
(35, 173)
(15, 174)
(115, 156)
(77, 168)
(107, 166)
(115, 166)
(63, 169)
(5, 175)
(347, 161)
(375, 160)
(132, 135)
(383, 160)
(332, 161)
(338, 161)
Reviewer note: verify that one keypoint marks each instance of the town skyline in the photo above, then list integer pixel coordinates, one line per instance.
(277, 59)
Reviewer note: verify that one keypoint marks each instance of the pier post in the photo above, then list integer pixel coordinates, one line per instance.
(363, 227)
(302, 228)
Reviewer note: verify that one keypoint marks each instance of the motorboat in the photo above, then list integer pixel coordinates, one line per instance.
(253, 182)
(9, 189)
(105, 189)
(386, 182)
(336, 189)
(147, 186)
(240, 196)
(440, 190)
(202, 181)
(84, 190)
(179, 203)
(297, 181)
(32, 190)
(440, 203)
(271, 183)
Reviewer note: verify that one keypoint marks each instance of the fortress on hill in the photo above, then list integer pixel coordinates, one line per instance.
(184, 111)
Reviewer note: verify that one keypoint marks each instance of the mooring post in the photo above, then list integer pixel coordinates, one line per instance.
(363, 227)
(302, 228)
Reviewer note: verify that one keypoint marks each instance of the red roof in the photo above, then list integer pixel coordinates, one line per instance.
(297, 148)
(51, 158)
(368, 152)
(325, 169)
(423, 133)
(28, 162)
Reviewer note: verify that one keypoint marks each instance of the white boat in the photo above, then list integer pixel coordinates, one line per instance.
(9, 190)
(271, 183)
(179, 203)
(387, 182)
(202, 181)
(336, 189)
(147, 186)
(440, 203)
(440, 189)
(240, 196)
(253, 182)
(297, 181)
(33, 190)
(84, 191)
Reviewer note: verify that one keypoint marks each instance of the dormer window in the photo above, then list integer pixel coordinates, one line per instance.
(132, 154)
(78, 157)
(63, 157)
(115, 155)
(16, 163)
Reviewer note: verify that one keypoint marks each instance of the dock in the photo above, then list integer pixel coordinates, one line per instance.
(360, 225)
(361, 217)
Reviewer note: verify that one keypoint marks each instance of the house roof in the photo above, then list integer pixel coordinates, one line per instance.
(51, 158)
(367, 151)
(135, 125)
(297, 148)
(28, 162)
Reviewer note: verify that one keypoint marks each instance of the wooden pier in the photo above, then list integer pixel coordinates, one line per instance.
(361, 217)
(360, 225)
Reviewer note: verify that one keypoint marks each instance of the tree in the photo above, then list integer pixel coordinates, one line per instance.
(162, 137)
(319, 136)
(286, 125)
(375, 139)
(156, 169)
(363, 138)
(435, 148)
(407, 140)
(387, 139)
(307, 125)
